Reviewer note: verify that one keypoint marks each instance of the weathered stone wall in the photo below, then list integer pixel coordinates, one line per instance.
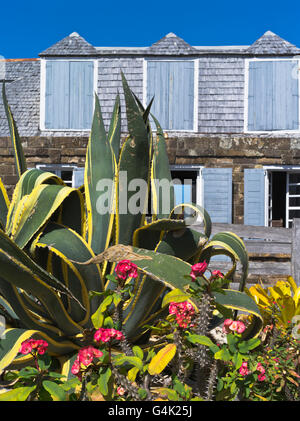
(235, 151)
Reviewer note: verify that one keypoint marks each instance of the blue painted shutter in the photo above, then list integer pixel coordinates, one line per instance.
(69, 94)
(81, 94)
(78, 177)
(57, 95)
(273, 99)
(172, 85)
(217, 194)
(254, 197)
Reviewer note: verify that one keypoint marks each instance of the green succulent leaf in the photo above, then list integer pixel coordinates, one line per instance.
(100, 195)
(20, 160)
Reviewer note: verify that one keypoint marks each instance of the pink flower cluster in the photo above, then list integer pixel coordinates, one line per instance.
(38, 346)
(184, 312)
(217, 274)
(125, 269)
(230, 325)
(105, 335)
(85, 357)
(261, 377)
(244, 371)
(198, 269)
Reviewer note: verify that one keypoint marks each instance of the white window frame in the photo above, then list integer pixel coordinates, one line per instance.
(199, 179)
(43, 90)
(196, 90)
(284, 168)
(246, 92)
(58, 167)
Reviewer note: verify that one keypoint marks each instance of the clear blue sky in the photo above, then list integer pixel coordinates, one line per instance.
(29, 27)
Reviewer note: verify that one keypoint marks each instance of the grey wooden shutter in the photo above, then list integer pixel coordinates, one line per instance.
(217, 194)
(254, 197)
(172, 85)
(81, 94)
(273, 100)
(57, 95)
(78, 177)
(69, 94)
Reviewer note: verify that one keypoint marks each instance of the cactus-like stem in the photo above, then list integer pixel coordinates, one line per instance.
(202, 322)
(123, 381)
(211, 382)
(179, 367)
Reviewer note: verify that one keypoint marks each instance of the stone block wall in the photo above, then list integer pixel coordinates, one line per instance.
(235, 151)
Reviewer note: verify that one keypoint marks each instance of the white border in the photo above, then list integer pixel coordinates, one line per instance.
(43, 91)
(246, 108)
(196, 90)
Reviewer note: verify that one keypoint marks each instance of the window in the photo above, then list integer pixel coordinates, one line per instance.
(69, 94)
(172, 84)
(71, 175)
(273, 95)
(208, 187)
(271, 196)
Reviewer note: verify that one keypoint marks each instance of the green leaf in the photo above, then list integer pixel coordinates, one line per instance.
(135, 149)
(35, 209)
(28, 372)
(247, 346)
(238, 300)
(232, 343)
(44, 361)
(56, 391)
(176, 295)
(223, 354)
(99, 197)
(135, 361)
(18, 394)
(103, 380)
(237, 360)
(138, 352)
(4, 205)
(20, 160)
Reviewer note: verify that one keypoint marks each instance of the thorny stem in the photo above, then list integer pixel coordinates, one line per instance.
(179, 355)
(83, 393)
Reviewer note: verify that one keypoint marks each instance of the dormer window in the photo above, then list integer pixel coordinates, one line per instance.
(273, 95)
(68, 94)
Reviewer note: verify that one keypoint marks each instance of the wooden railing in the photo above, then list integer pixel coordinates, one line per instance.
(274, 253)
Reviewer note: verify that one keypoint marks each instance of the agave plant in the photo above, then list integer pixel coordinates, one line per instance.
(50, 229)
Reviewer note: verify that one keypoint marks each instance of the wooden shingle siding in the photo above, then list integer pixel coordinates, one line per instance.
(221, 94)
(110, 83)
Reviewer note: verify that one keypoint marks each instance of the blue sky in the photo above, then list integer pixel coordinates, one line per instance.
(29, 27)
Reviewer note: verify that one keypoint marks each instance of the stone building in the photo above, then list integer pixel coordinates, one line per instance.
(230, 114)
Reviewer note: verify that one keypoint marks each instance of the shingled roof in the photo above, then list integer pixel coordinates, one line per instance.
(270, 43)
(72, 45)
(171, 44)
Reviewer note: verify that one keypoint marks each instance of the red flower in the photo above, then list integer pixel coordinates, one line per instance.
(217, 274)
(33, 345)
(125, 269)
(105, 335)
(183, 312)
(198, 269)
